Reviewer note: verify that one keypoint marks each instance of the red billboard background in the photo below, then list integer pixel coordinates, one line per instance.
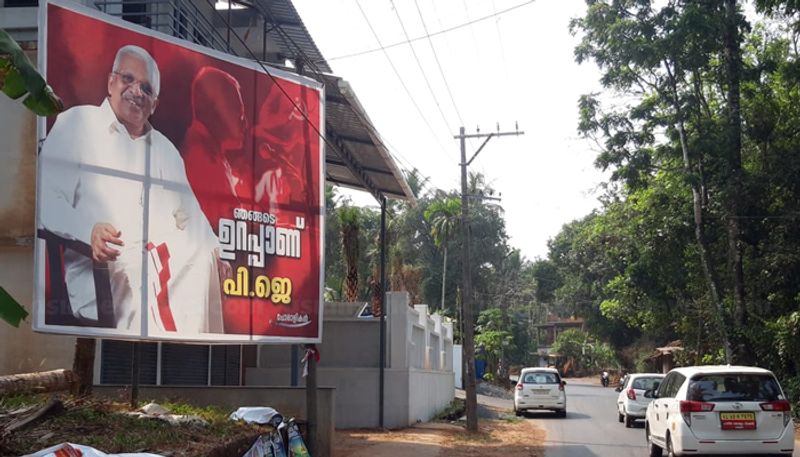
(276, 173)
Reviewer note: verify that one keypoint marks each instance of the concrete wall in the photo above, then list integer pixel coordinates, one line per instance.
(289, 401)
(357, 396)
(429, 393)
(418, 379)
(22, 350)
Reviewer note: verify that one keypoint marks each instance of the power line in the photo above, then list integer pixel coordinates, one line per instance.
(275, 80)
(450, 29)
(397, 73)
(419, 64)
(438, 64)
(502, 46)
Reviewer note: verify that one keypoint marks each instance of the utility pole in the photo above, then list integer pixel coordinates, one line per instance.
(466, 296)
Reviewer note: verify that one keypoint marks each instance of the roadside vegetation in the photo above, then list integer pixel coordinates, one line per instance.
(106, 425)
(697, 238)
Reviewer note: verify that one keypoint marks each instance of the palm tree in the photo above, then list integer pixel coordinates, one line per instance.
(443, 215)
(349, 219)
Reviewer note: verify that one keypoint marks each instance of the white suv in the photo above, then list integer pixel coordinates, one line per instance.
(719, 410)
(540, 388)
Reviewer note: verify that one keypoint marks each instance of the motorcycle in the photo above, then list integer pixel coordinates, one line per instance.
(604, 378)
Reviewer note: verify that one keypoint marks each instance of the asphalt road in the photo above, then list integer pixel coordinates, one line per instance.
(590, 428)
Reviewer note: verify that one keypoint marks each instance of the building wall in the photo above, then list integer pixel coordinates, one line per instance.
(22, 350)
(418, 379)
(427, 388)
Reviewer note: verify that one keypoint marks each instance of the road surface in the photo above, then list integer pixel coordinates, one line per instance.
(590, 428)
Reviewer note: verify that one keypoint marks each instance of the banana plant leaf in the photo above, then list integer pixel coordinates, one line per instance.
(18, 78)
(11, 311)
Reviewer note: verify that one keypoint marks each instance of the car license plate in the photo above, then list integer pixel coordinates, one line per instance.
(738, 421)
(540, 391)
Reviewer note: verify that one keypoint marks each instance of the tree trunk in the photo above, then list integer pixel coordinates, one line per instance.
(351, 285)
(734, 136)
(83, 366)
(699, 230)
(45, 381)
(444, 275)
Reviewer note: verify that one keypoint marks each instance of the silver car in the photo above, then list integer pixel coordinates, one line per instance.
(631, 402)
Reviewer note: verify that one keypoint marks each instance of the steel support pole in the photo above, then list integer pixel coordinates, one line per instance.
(381, 387)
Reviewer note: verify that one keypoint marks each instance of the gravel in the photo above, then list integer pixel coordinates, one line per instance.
(491, 390)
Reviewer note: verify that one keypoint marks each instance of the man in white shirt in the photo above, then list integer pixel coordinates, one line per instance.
(110, 180)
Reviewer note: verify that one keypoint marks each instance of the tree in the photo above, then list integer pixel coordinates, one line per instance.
(669, 58)
(349, 218)
(443, 215)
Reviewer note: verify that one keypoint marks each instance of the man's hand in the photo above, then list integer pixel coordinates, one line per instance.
(103, 233)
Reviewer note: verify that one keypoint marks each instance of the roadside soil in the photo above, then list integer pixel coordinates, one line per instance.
(501, 433)
(511, 438)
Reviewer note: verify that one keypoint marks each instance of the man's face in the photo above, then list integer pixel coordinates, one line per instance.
(131, 94)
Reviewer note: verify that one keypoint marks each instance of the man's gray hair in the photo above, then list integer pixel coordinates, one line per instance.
(152, 68)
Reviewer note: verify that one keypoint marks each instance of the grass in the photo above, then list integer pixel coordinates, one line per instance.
(453, 412)
(106, 426)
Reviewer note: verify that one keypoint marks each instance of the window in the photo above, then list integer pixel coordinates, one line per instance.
(662, 388)
(675, 385)
(734, 387)
(17, 3)
(171, 364)
(540, 378)
(671, 384)
(645, 383)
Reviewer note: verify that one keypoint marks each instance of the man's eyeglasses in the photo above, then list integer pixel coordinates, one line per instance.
(129, 80)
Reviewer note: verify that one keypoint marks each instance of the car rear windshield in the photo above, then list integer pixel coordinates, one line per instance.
(645, 383)
(734, 387)
(540, 378)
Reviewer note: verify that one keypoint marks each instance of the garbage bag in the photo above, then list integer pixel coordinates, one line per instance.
(258, 415)
(297, 447)
(78, 450)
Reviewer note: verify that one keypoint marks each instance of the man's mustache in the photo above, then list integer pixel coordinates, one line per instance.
(137, 100)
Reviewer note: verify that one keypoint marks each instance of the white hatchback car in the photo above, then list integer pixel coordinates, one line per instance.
(631, 402)
(540, 388)
(719, 410)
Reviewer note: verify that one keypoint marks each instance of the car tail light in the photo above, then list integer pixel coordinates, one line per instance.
(519, 386)
(561, 386)
(688, 407)
(779, 406)
(631, 394)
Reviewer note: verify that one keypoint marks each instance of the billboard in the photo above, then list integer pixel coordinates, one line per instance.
(180, 196)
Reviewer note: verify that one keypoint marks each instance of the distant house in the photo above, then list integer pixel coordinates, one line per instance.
(663, 358)
(547, 334)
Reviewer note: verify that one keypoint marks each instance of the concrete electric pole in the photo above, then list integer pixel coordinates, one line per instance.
(466, 297)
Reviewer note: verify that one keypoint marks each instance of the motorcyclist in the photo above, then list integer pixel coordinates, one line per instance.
(604, 378)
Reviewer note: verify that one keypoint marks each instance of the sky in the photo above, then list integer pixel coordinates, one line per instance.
(515, 68)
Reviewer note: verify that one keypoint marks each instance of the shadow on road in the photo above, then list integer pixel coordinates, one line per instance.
(570, 451)
(547, 415)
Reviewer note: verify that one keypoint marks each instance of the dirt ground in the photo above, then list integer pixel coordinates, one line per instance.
(497, 437)
(512, 438)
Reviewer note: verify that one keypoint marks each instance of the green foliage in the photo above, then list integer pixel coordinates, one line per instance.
(586, 353)
(19, 78)
(641, 268)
